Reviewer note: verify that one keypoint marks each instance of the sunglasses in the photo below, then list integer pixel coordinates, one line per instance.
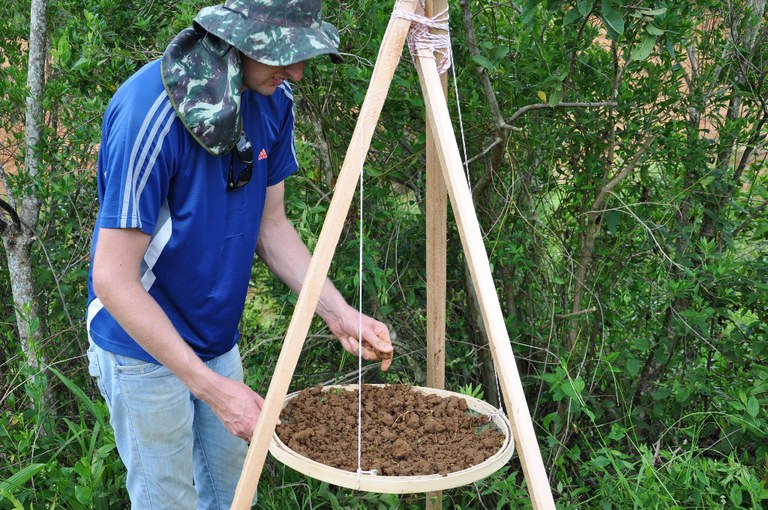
(245, 155)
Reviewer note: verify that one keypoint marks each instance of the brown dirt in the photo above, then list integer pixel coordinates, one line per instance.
(405, 431)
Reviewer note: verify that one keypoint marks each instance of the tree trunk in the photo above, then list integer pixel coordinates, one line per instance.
(19, 234)
(18, 243)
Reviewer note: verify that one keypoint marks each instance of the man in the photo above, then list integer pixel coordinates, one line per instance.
(195, 148)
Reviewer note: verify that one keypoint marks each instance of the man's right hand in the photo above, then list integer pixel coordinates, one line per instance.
(237, 406)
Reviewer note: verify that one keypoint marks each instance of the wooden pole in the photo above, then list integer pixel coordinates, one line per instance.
(386, 63)
(480, 269)
(437, 207)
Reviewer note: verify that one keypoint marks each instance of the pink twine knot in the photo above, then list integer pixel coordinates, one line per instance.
(419, 36)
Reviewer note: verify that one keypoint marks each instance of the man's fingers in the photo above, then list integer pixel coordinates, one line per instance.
(376, 347)
(381, 346)
(349, 344)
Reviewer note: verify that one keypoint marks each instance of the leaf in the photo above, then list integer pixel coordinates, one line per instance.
(97, 411)
(653, 12)
(571, 16)
(63, 50)
(484, 62)
(20, 477)
(671, 48)
(84, 495)
(500, 54)
(566, 388)
(735, 495)
(555, 98)
(682, 395)
(103, 451)
(573, 388)
(15, 502)
(530, 5)
(550, 419)
(81, 63)
(601, 461)
(579, 384)
(653, 29)
(633, 366)
(753, 407)
(612, 19)
(585, 6)
(542, 95)
(643, 50)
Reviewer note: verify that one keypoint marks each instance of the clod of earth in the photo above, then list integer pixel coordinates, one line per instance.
(383, 355)
(405, 432)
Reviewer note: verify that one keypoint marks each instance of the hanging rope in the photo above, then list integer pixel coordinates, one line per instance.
(461, 124)
(360, 470)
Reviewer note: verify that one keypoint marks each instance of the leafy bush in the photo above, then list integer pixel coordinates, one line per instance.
(622, 197)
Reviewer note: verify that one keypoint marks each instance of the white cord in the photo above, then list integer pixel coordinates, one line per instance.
(461, 121)
(360, 325)
(469, 183)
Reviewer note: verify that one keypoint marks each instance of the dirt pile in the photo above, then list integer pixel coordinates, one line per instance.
(405, 432)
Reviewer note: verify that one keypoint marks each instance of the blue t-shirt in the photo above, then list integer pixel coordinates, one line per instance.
(153, 176)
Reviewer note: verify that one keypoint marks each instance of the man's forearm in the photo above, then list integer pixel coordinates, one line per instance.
(286, 255)
(143, 319)
(117, 284)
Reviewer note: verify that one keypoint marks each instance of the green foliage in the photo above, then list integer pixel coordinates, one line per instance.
(49, 462)
(652, 393)
(281, 487)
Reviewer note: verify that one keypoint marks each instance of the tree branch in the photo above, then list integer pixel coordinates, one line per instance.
(621, 174)
(752, 144)
(10, 211)
(490, 95)
(493, 144)
(540, 106)
(757, 210)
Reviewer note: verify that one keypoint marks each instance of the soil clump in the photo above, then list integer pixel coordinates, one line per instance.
(405, 432)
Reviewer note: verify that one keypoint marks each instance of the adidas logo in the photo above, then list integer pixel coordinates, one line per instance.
(263, 154)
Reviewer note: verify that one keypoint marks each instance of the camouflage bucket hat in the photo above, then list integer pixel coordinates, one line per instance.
(273, 32)
(203, 78)
(202, 73)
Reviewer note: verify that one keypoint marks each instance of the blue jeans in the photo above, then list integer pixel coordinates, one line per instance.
(177, 452)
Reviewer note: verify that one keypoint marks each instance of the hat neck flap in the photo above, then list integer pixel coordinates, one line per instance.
(203, 77)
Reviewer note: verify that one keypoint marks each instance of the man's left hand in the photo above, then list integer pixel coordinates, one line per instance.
(377, 346)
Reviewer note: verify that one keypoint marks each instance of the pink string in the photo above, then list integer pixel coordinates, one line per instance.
(420, 38)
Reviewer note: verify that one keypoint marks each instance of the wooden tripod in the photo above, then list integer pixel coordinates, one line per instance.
(444, 174)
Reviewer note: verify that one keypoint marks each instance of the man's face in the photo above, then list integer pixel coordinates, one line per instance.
(264, 79)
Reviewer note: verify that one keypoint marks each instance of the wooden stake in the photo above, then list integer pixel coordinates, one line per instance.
(437, 200)
(437, 207)
(480, 269)
(389, 56)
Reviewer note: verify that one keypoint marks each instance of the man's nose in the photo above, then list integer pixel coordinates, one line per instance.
(295, 71)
